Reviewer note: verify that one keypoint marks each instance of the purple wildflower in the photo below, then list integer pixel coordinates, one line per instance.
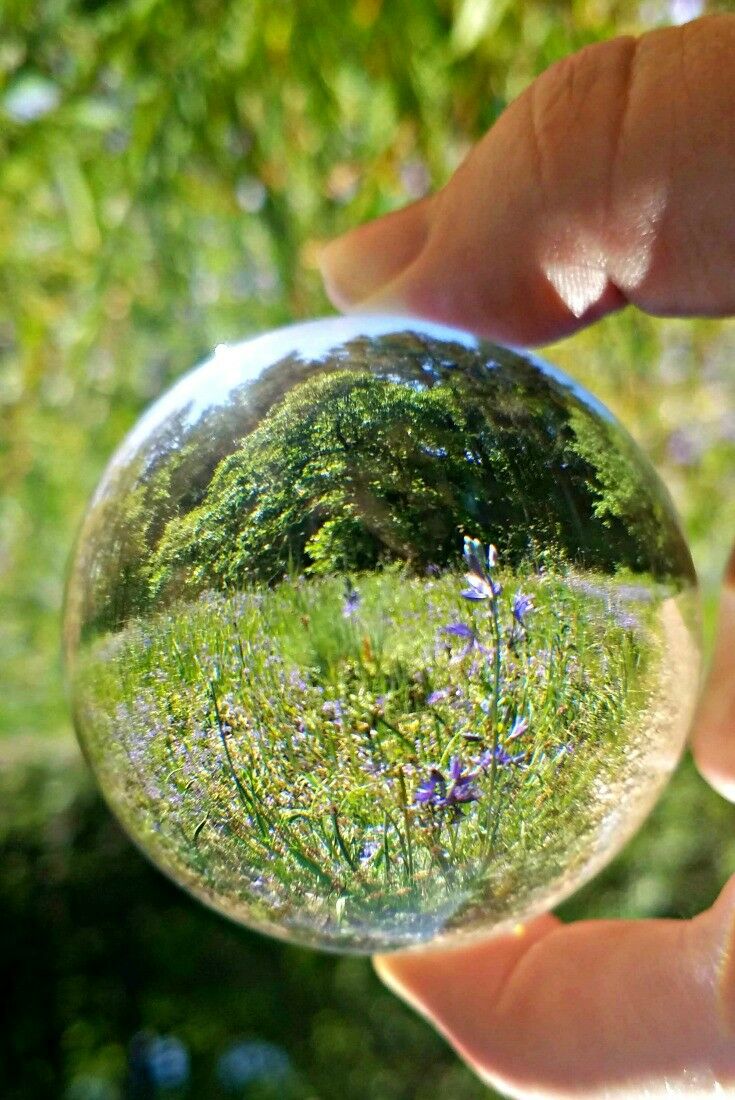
(480, 588)
(519, 727)
(481, 584)
(625, 619)
(432, 789)
(461, 789)
(522, 605)
(451, 792)
(333, 709)
(372, 767)
(437, 696)
(352, 601)
(368, 850)
(503, 758)
(460, 630)
(473, 555)
(297, 681)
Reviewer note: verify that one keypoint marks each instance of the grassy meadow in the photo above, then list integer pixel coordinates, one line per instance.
(360, 761)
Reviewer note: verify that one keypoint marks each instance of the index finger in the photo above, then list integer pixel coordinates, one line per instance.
(611, 179)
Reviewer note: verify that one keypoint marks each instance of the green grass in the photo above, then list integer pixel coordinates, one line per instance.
(268, 749)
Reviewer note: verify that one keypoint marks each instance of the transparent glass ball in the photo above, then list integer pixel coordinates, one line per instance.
(378, 633)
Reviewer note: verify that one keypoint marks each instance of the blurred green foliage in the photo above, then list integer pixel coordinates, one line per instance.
(167, 170)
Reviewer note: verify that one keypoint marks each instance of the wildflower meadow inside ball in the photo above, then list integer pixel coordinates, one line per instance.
(378, 633)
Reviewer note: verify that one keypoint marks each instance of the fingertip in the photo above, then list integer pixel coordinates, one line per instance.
(389, 970)
(431, 977)
(713, 738)
(360, 263)
(721, 780)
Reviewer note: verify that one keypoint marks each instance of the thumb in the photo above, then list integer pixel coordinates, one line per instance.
(713, 739)
(372, 256)
(611, 179)
(592, 1010)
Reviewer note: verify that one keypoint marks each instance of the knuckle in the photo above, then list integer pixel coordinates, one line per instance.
(584, 92)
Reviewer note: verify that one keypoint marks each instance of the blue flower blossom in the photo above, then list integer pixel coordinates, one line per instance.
(437, 696)
(450, 792)
(369, 849)
(481, 584)
(333, 709)
(461, 789)
(460, 630)
(432, 789)
(519, 727)
(473, 554)
(352, 601)
(522, 605)
(502, 756)
(480, 588)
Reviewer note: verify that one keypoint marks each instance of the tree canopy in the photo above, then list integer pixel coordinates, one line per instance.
(387, 450)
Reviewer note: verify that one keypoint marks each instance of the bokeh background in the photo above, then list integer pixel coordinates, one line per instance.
(167, 173)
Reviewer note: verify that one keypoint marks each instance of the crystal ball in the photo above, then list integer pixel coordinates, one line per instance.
(378, 633)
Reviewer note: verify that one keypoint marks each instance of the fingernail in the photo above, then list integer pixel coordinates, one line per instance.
(367, 260)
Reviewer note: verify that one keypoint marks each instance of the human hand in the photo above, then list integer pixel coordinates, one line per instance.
(611, 180)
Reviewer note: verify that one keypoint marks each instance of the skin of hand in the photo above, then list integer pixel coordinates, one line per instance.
(610, 180)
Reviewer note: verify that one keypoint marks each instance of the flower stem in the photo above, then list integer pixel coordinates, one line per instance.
(406, 823)
(496, 694)
(492, 826)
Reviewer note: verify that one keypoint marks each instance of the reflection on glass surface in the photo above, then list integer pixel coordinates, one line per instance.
(377, 632)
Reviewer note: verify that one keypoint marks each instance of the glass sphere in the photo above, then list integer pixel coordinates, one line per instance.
(379, 633)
